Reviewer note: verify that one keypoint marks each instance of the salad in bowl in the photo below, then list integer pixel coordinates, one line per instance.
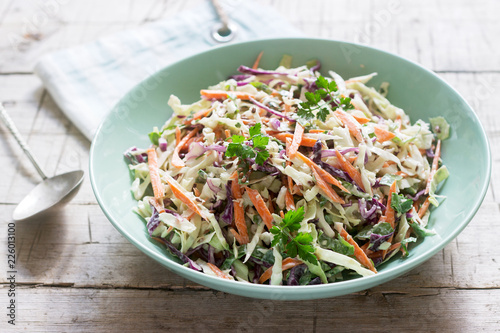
(289, 177)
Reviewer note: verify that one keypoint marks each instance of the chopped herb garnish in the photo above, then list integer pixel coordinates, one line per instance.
(400, 203)
(155, 136)
(255, 148)
(301, 243)
(317, 101)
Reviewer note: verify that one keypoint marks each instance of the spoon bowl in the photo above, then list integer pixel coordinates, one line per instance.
(49, 193)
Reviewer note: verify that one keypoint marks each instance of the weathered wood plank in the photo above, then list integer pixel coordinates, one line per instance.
(418, 31)
(442, 35)
(123, 310)
(77, 246)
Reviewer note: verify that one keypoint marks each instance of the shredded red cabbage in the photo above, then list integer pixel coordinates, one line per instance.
(376, 240)
(227, 214)
(196, 149)
(154, 221)
(268, 109)
(314, 281)
(134, 158)
(179, 254)
(211, 185)
(219, 148)
(364, 211)
(336, 172)
(162, 144)
(275, 123)
(295, 274)
(239, 77)
(417, 196)
(316, 67)
(248, 70)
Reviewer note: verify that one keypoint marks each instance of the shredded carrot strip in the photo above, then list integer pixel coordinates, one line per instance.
(257, 61)
(179, 194)
(190, 216)
(390, 214)
(399, 121)
(239, 211)
(350, 169)
(198, 115)
(154, 174)
(317, 131)
(435, 164)
(389, 211)
(196, 191)
(236, 235)
(289, 203)
(177, 134)
(325, 175)
(358, 252)
(222, 94)
(270, 204)
(388, 163)
(218, 272)
(286, 264)
(423, 208)
(260, 206)
(326, 188)
(382, 134)
(159, 207)
(176, 160)
(296, 140)
(360, 118)
(290, 180)
(352, 125)
(306, 141)
(287, 109)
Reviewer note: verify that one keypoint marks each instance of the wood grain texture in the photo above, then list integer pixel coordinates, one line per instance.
(130, 310)
(77, 273)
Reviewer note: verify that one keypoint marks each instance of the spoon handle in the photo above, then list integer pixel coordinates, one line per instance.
(13, 130)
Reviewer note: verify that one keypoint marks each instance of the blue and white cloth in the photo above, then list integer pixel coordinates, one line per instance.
(88, 80)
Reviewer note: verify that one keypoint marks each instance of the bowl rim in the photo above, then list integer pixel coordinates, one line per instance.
(309, 291)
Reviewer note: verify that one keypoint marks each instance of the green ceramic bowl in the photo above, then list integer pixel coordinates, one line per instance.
(421, 93)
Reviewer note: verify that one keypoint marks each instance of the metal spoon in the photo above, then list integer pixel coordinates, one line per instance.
(225, 31)
(50, 191)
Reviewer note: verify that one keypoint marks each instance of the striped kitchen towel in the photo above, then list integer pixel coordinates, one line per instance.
(88, 80)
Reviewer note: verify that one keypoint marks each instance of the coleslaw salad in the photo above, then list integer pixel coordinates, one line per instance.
(289, 177)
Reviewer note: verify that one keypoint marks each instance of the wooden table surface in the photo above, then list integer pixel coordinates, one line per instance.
(75, 272)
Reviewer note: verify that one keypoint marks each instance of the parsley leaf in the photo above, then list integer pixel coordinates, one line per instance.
(305, 112)
(255, 129)
(261, 157)
(404, 243)
(239, 148)
(400, 203)
(322, 114)
(300, 244)
(292, 219)
(345, 103)
(260, 141)
(238, 138)
(154, 136)
(314, 107)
